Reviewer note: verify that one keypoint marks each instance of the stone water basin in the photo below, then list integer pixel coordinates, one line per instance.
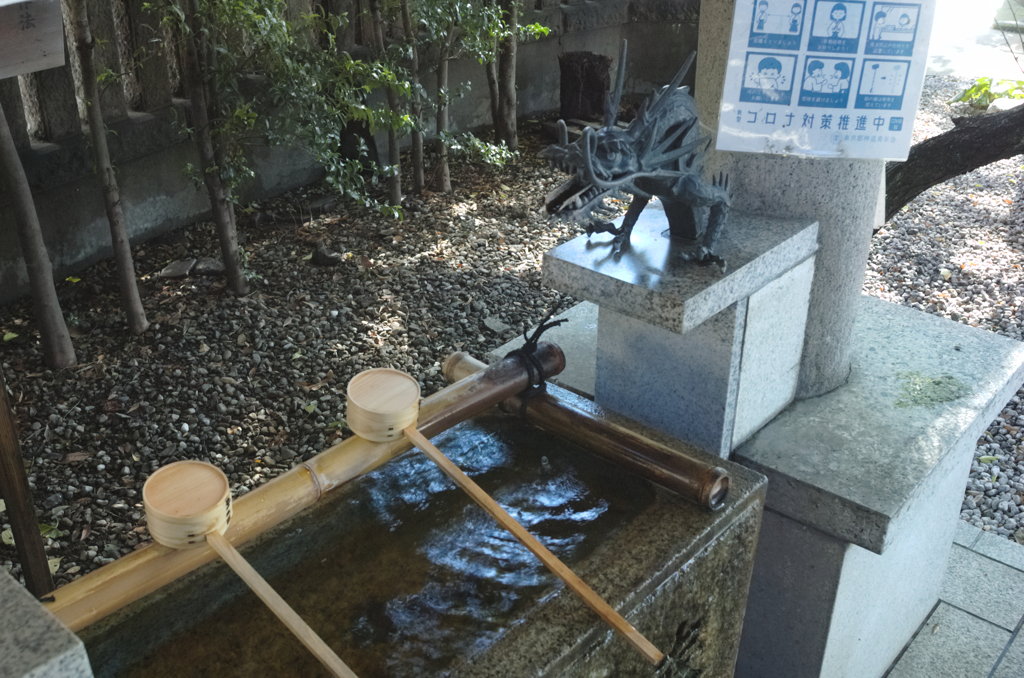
(402, 575)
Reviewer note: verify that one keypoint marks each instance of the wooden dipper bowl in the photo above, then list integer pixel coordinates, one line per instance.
(188, 503)
(383, 404)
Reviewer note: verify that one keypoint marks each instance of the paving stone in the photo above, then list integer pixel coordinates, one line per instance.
(952, 644)
(966, 534)
(1012, 663)
(984, 587)
(1000, 548)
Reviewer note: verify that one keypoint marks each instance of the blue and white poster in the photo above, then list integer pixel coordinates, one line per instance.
(825, 78)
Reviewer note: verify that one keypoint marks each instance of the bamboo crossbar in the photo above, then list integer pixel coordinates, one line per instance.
(109, 588)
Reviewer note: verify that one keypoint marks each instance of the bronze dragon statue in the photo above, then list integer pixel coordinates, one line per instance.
(660, 154)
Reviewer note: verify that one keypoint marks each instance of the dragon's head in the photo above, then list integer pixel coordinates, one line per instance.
(659, 146)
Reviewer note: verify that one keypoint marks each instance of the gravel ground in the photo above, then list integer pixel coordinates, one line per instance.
(256, 385)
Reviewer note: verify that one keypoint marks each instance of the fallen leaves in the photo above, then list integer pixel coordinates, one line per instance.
(316, 386)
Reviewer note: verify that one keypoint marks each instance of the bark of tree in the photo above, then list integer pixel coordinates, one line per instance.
(394, 152)
(415, 106)
(130, 300)
(505, 125)
(443, 178)
(223, 217)
(17, 495)
(973, 142)
(53, 332)
(491, 70)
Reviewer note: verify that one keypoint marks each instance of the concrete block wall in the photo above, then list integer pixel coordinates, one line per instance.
(151, 155)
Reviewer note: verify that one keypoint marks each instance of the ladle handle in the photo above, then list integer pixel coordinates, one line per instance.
(596, 602)
(278, 606)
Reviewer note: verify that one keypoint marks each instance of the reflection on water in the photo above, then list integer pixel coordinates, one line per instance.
(427, 577)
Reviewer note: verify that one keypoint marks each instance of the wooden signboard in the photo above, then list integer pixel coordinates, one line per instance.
(31, 36)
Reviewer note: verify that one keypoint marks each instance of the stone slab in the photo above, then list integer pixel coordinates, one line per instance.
(773, 340)
(967, 534)
(846, 463)
(33, 644)
(952, 644)
(998, 548)
(684, 385)
(1012, 663)
(984, 587)
(649, 281)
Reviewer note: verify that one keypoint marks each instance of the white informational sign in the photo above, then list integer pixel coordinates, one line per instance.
(31, 36)
(825, 78)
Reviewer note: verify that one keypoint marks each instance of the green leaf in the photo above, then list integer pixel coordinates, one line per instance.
(54, 563)
(50, 531)
(3, 506)
(10, 335)
(987, 460)
(73, 279)
(309, 408)
(7, 537)
(296, 355)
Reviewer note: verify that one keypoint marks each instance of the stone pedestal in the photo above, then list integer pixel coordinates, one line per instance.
(705, 356)
(865, 485)
(33, 644)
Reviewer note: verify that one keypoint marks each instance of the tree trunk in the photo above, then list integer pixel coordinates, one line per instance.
(443, 177)
(416, 106)
(219, 196)
(506, 129)
(973, 142)
(130, 300)
(53, 332)
(21, 510)
(394, 152)
(15, 490)
(491, 70)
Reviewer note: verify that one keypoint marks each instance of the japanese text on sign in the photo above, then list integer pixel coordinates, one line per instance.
(31, 36)
(824, 78)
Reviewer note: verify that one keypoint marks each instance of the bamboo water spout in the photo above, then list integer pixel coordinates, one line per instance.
(694, 479)
(106, 590)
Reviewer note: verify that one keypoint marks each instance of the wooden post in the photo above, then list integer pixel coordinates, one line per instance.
(18, 498)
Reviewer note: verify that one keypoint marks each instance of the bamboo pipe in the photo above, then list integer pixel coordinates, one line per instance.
(693, 479)
(596, 603)
(109, 588)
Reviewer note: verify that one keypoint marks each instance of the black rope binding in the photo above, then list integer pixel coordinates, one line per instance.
(527, 353)
(528, 358)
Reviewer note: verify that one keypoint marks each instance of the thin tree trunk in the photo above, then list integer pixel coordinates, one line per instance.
(444, 177)
(394, 152)
(491, 70)
(130, 300)
(21, 510)
(416, 106)
(53, 332)
(507, 131)
(973, 142)
(219, 202)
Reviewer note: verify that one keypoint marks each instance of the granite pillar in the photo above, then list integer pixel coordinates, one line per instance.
(840, 194)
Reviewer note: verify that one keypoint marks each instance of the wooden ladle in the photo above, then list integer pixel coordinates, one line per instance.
(188, 503)
(383, 404)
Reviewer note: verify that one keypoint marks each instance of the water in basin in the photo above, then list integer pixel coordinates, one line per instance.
(403, 575)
